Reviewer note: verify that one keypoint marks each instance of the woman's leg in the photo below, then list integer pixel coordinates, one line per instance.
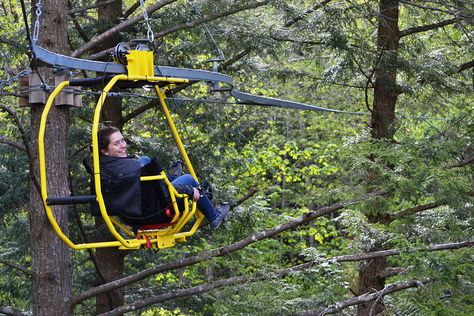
(204, 204)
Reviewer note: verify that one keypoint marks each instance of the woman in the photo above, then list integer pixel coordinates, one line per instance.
(116, 166)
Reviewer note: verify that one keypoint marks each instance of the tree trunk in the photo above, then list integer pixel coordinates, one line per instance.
(385, 87)
(110, 261)
(383, 117)
(109, 15)
(51, 262)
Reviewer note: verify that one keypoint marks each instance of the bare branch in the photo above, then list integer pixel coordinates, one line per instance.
(235, 58)
(387, 218)
(90, 7)
(11, 311)
(80, 30)
(13, 43)
(16, 145)
(174, 294)
(435, 8)
(249, 194)
(15, 266)
(390, 252)
(111, 32)
(210, 18)
(204, 256)
(171, 295)
(132, 9)
(462, 163)
(151, 104)
(307, 12)
(424, 28)
(97, 39)
(26, 143)
(189, 25)
(464, 66)
(391, 288)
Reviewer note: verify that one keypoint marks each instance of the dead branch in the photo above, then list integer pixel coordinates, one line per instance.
(16, 266)
(387, 218)
(26, 142)
(306, 12)
(90, 7)
(11, 311)
(174, 294)
(465, 66)
(210, 18)
(365, 298)
(11, 143)
(463, 162)
(424, 28)
(171, 295)
(100, 38)
(247, 196)
(204, 256)
(394, 252)
(176, 28)
(132, 9)
(123, 25)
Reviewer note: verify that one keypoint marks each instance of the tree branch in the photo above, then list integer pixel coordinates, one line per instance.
(131, 9)
(391, 288)
(249, 194)
(424, 28)
(171, 295)
(204, 256)
(387, 253)
(16, 266)
(179, 293)
(16, 145)
(189, 25)
(97, 39)
(12, 43)
(235, 58)
(11, 311)
(151, 104)
(464, 66)
(90, 7)
(80, 30)
(462, 163)
(111, 32)
(26, 143)
(307, 12)
(210, 18)
(387, 218)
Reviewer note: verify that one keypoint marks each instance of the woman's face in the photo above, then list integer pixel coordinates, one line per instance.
(117, 146)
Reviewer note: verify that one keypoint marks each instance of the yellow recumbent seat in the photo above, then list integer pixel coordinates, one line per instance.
(160, 235)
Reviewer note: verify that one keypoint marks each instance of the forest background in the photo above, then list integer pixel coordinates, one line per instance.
(364, 211)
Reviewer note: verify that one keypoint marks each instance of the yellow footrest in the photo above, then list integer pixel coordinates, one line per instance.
(166, 241)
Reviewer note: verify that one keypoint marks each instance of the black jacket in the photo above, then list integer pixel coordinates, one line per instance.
(133, 201)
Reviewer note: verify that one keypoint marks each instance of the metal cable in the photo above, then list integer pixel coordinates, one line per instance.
(36, 29)
(149, 33)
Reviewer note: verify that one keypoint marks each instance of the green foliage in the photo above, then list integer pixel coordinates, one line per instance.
(297, 161)
(14, 248)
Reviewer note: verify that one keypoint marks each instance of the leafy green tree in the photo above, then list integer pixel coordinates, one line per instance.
(327, 207)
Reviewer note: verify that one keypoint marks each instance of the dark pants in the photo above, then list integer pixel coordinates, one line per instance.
(203, 204)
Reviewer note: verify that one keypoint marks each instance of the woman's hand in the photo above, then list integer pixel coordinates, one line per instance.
(196, 195)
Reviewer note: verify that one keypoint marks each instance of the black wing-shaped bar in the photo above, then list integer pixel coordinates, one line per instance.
(44, 56)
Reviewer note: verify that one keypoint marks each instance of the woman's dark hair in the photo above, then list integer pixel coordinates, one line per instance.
(104, 136)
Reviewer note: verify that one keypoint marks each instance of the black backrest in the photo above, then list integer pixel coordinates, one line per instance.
(135, 202)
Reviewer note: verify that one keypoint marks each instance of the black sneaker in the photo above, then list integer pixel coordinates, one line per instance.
(223, 212)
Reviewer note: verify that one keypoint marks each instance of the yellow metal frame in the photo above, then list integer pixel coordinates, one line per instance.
(138, 66)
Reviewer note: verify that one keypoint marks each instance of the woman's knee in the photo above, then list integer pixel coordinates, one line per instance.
(186, 179)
